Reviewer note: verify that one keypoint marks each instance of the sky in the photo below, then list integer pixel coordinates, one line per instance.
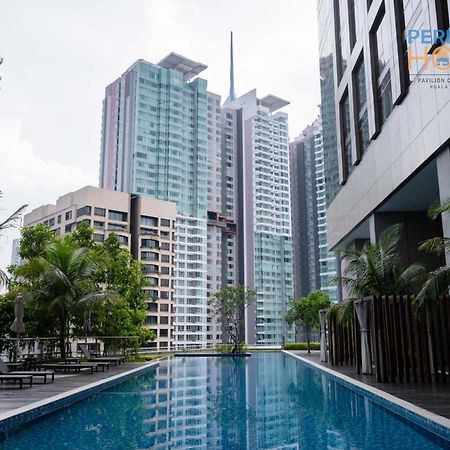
(59, 55)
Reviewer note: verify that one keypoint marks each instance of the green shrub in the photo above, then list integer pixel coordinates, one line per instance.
(301, 346)
(227, 348)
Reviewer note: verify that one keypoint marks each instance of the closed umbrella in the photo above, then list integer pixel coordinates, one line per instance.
(87, 325)
(323, 337)
(362, 315)
(18, 326)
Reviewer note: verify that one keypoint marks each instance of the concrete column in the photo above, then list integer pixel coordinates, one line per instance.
(443, 170)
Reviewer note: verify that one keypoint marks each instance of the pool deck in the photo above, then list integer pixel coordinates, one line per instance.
(12, 398)
(432, 397)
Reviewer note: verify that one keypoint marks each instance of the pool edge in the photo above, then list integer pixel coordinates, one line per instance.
(16, 418)
(428, 420)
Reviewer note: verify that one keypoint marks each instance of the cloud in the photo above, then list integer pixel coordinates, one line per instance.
(25, 177)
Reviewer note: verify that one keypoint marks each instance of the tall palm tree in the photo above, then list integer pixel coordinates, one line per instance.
(62, 282)
(376, 270)
(438, 281)
(11, 221)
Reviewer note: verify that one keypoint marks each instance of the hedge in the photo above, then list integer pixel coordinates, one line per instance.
(301, 346)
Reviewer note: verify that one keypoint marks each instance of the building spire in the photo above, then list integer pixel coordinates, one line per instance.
(232, 95)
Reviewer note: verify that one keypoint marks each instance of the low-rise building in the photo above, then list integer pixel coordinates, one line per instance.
(145, 226)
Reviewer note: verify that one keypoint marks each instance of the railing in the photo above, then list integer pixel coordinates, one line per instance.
(385, 337)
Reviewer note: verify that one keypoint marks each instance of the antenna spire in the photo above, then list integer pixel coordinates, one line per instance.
(232, 95)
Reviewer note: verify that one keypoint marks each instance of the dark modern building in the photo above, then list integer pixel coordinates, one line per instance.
(391, 119)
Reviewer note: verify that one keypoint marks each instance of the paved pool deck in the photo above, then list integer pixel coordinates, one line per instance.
(12, 398)
(433, 397)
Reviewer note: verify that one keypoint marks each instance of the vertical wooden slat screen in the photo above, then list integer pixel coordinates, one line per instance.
(404, 348)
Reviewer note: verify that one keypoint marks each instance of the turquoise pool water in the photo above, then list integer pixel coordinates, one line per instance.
(267, 401)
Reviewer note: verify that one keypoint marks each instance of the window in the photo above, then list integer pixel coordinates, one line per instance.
(149, 221)
(163, 307)
(59, 218)
(152, 307)
(151, 320)
(164, 282)
(346, 136)
(165, 222)
(68, 215)
(165, 258)
(84, 211)
(149, 256)
(165, 270)
(68, 228)
(100, 212)
(362, 124)
(149, 243)
(118, 215)
(382, 55)
(164, 320)
(116, 227)
(122, 239)
(164, 295)
(343, 49)
(164, 333)
(99, 225)
(99, 237)
(51, 221)
(165, 246)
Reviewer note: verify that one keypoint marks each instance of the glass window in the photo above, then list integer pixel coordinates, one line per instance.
(118, 215)
(100, 212)
(165, 222)
(382, 55)
(362, 125)
(99, 237)
(99, 225)
(165, 258)
(343, 44)
(163, 307)
(149, 243)
(346, 136)
(68, 215)
(59, 219)
(164, 320)
(84, 211)
(122, 239)
(149, 221)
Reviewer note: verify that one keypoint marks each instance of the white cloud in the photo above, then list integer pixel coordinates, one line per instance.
(27, 178)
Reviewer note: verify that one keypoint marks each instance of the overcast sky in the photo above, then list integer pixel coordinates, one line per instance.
(59, 55)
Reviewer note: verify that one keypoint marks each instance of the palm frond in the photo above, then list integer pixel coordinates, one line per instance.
(436, 285)
(437, 208)
(437, 245)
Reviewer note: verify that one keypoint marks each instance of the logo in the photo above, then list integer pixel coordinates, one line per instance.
(429, 57)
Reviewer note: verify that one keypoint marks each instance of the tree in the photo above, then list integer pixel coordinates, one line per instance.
(229, 304)
(62, 282)
(83, 235)
(438, 281)
(124, 275)
(376, 270)
(305, 310)
(11, 221)
(34, 240)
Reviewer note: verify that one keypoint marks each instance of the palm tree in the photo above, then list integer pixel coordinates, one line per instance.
(438, 281)
(10, 222)
(376, 270)
(62, 283)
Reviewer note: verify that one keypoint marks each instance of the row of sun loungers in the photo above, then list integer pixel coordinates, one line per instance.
(47, 370)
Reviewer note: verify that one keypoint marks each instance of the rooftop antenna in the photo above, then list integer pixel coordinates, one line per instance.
(232, 95)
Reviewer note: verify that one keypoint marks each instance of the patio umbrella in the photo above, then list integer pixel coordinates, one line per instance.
(87, 325)
(362, 314)
(323, 337)
(18, 326)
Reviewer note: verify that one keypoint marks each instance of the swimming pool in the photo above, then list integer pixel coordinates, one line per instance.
(267, 401)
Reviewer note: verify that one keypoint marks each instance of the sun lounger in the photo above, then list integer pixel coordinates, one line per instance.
(67, 367)
(19, 378)
(112, 359)
(5, 370)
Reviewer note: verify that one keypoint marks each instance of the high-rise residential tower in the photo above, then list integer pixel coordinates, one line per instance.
(314, 266)
(255, 161)
(161, 138)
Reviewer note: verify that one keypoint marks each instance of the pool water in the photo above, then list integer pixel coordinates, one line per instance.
(267, 401)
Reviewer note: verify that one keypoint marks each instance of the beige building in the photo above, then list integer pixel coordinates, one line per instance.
(145, 226)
